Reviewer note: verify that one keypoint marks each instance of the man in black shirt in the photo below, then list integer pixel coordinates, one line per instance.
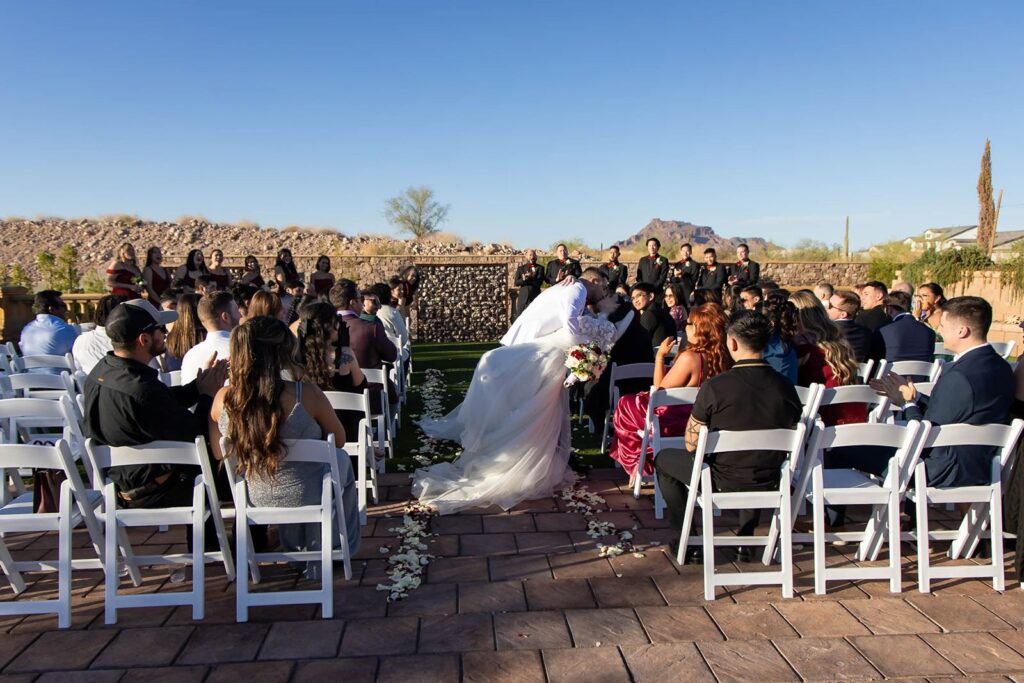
(617, 273)
(842, 307)
(714, 275)
(725, 403)
(529, 278)
(653, 268)
(872, 304)
(744, 272)
(653, 316)
(687, 265)
(126, 404)
(562, 267)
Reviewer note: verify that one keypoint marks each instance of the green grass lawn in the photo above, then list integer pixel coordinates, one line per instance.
(457, 362)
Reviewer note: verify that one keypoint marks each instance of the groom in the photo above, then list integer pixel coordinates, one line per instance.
(558, 308)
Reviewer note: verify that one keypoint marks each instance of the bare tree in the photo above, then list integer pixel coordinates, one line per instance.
(987, 209)
(415, 211)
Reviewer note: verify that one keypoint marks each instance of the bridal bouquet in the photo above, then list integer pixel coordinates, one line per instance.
(585, 362)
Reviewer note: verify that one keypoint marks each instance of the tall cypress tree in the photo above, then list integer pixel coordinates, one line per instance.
(987, 209)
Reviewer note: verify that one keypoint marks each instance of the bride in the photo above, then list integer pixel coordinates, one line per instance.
(514, 421)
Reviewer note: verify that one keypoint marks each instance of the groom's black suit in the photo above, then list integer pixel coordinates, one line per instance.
(634, 346)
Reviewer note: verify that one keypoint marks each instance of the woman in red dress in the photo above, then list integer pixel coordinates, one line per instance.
(252, 275)
(194, 266)
(321, 281)
(824, 356)
(220, 274)
(157, 278)
(123, 273)
(705, 356)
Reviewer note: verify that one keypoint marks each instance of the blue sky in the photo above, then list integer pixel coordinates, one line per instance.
(535, 120)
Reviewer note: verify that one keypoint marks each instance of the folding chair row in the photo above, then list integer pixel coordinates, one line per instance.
(620, 373)
(43, 361)
(360, 445)
(911, 368)
(386, 427)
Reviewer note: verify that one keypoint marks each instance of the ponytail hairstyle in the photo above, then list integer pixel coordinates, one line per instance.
(317, 321)
(261, 349)
(781, 313)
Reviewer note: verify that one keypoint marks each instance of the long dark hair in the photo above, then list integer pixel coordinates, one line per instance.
(290, 272)
(190, 262)
(149, 257)
(781, 313)
(188, 330)
(261, 348)
(316, 322)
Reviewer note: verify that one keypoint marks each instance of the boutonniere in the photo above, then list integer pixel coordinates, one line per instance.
(660, 260)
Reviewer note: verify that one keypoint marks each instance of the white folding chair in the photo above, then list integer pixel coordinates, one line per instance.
(102, 458)
(27, 363)
(810, 399)
(361, 444)
(877, 404)
(864, 371)
(915, 368)
(39, 421)
(385, 434)
(620, 373)
(852, 487)
(172, 378)
(1004, 349)
(941, 353)
(651, 436)
(299, 450)
(36, 385)
(788, 441)
(985, 512)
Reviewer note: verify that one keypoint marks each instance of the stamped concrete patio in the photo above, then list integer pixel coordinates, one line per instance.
(524, 596)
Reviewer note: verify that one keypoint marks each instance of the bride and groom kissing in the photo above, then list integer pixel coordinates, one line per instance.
(514, 424)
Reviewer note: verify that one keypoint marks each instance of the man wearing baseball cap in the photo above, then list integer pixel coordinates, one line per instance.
(126, 404)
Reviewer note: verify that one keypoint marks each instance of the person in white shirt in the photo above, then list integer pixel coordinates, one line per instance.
(91, 346)
(391, 318)
(219, 314)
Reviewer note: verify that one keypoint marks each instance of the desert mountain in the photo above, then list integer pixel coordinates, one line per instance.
(700, 236)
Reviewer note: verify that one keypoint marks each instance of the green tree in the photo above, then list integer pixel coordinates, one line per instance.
(415, 211)
(986, 207)
(61, 271)
(15, 276)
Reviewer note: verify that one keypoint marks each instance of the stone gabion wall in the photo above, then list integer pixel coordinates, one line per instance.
(461, 303)
(801, 274)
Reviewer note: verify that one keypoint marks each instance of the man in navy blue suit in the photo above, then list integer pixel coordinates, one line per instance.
(976, 387)
(905, 338)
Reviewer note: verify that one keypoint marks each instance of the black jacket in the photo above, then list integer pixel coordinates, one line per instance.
(653, 271)
(859, 338)
(617, 274)
(904, 339)
(558, 270)
(126, 404)
(714, 279)
(746, 274)
(658, 323)
(691, 268)
(528, 281)
(873, 318)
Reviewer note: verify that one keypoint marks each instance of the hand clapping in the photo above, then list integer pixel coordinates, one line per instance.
(899, 390)
(212, 375)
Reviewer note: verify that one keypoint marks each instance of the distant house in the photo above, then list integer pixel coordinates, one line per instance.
(937, 238)
(958, 237)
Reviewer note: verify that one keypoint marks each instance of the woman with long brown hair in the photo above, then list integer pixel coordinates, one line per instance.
(706, 355)
(259, 410)
(827, 358)
(186, 333)
(124, 274)
(266, 303)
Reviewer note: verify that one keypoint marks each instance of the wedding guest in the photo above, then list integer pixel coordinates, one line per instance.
(205, 284)
(126, 404)
(905, 338)
(731, 299)
(392, 320)
(371, 304)
(264, 303)
(713, 275)
(723, 403)
(688, 267)
(221, 275)
(157, 278)
(842, 309)
(744, 272)
(410, 285)
(562, 266)
(284, 268)
(823, 290)
(252, 275)
(123, 273)
(218, 314)
(186, 274)
(702, 295)
(169, 300)
(872, 303)
(243, 294)
(326, 359)
(674, 303)
(751, 297)
(49, 333)
(634, 346)
(930, 298)
(780, 351)
(653, 269)
(902, 286)
(368, 341)
(292, 299)
(322, 279)
(258, 410)
(616, 272)
(529, 278)
(827, 360)
(653, 317)
(705, 356)
(187, 332)
(90, 347)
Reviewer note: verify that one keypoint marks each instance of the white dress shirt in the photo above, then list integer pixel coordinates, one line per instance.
(557, 308)
(394, 325)
(200, 353)
(90, 347)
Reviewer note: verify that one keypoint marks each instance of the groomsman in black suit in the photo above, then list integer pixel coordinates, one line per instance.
(744, 272)
(653, 268)
(529, 278)
(714, 275)
(562, 267)
(617, 273)
(686, 263)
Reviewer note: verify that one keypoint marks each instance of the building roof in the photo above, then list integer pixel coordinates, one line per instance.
(1007, 237)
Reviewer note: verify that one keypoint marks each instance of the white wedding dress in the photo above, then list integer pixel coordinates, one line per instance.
(513, 426)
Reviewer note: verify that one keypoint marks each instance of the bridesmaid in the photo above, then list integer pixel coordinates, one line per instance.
(221, 275)
(185, 276)
(322, 279)
(252, 275)
(284, 269)
(157, 278)
(123, 273)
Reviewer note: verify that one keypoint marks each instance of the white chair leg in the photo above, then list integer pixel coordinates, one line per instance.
(996, 506)
(641, 463)
(659, 500)
(243, 548)
(923, 557)
(199, 551)
(14, 577)
(786, 522)
(708, 524)
(895, 566)
(327, 554)
(110, 561)
(818, 506)
(64, 558)
(604, 433)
